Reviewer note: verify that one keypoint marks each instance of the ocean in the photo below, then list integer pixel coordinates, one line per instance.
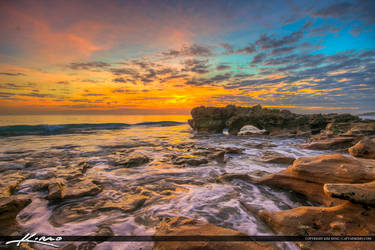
(35, 148)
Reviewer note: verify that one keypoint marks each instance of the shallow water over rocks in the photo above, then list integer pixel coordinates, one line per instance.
(178, 179)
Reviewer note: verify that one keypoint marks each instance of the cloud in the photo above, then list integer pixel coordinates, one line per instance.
(190, 50)
(360, 9)
(36, 95)
(127, 91)
(63, 82)
(223, 67)
(229, 49)
(196, 66)
(12, 74)
(93, 94)
(6, 94)
(16, 85)
(271, 41)
(334, 10)
(283, 50)
(247, 50)
(119, 79)
(125, 71)
(92, 66)
(258, 58)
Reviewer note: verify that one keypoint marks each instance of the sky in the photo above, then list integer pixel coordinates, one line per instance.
(167, 57)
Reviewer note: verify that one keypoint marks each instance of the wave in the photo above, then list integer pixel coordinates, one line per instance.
(20, 130)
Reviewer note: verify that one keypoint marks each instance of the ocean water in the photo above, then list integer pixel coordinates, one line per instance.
(47, 147)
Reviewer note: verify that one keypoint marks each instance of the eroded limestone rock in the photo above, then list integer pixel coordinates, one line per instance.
(340, 220)
(181, 226)
(364, 149)
(358, 193)
(251, 130)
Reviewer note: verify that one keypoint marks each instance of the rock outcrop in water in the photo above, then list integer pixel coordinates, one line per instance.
(181, 226)
(215, 120)
(343, 135)
(341, 220)
(59, 189)
(274, 157)
(363, 193)
(344, 183)
(308, 175)
(364, 149)
(251, 130)
(134, 159)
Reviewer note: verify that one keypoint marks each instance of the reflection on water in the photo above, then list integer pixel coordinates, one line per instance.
(135, 198)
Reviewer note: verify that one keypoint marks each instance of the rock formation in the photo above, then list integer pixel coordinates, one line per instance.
(345, 219)
(364, 149)
(251, 130)
(214, 120)
(181, 226)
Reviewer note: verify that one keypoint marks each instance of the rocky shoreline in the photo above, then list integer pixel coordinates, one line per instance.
(343, 185)
(339, 184)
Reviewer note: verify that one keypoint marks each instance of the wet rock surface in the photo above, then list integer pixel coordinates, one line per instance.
(134, 159)
(251, 130)
(9, 208)
(60, 189)
(79, 188)
(182, 226)
(274, 157)
(357, 193)
(332, 143)
(307, 175)
(340, 220)
(364, 149)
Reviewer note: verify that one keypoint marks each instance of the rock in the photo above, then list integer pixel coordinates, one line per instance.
(283, 133)
(127, 203)
(181, 226)
(210, 119)
(84, 166)
(340, 220)
(189, 160)
(134, 159)
(275, 157)
(218, 156)
(233, 150)
(338, 128)
(33, 185)
(81, 188)
(60, 190)
(364, 149)
(105, 231)
(215, 120)
(251, 130)
(55, 190)
(358, 193)
(87, 245)
(259, 173)
(11, 206)
(106, 202)
(10, 180)
(307, 175)
(229, 177)
(68, 247)
(260, 145)
(331, 143)
(364, 129)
